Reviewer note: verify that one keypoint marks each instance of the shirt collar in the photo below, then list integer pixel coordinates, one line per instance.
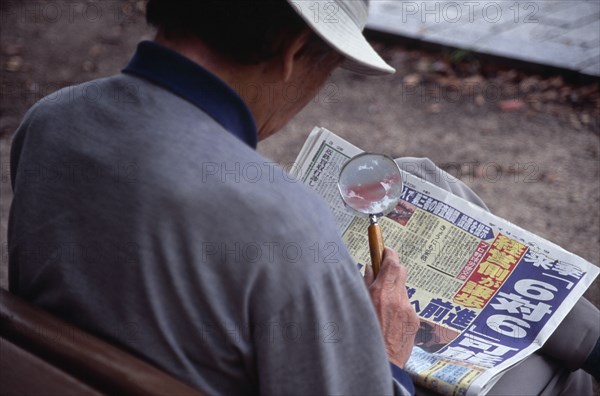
(195, 84)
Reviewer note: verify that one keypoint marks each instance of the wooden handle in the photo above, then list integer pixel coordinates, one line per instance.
(376, 247)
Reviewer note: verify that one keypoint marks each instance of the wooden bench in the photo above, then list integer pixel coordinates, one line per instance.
(42, 355)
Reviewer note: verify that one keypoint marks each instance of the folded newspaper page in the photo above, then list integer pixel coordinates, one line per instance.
(488, 293)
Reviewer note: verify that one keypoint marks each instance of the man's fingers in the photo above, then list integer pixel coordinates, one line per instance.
(397, 317)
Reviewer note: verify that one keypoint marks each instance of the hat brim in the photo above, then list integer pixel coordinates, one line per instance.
(341, 32)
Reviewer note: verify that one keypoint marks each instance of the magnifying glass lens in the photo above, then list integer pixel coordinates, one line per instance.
(370, 184)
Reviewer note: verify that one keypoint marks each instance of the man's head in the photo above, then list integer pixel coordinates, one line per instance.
(252, 31)
(247, 32)
(276, 44)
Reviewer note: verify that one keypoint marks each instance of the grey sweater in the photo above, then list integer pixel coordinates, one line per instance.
(142, 220)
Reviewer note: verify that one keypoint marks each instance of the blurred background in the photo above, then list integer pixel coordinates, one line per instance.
(509, 105)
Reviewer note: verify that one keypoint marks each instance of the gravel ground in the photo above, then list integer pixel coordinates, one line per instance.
(531, 154)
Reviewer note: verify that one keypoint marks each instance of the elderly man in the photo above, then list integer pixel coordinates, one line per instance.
(140, 226)
(237, 285)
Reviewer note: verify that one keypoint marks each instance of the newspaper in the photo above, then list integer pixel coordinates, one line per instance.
(487, 292)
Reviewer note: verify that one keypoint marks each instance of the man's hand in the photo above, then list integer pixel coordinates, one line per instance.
(399, 321)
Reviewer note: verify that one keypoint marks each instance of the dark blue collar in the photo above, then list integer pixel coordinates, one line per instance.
(195, 84)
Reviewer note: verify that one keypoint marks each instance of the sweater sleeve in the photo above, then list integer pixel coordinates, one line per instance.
(402, 382)
(327, 340)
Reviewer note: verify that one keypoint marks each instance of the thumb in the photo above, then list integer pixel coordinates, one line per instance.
(392, 274)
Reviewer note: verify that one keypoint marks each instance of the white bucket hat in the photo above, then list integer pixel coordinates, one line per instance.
(340, 23)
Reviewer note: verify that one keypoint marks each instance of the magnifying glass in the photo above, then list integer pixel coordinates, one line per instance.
(371, 185)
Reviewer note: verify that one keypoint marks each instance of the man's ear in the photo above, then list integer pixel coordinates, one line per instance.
(292, 52)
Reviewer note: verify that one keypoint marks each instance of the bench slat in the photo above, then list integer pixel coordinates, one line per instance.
(86, 358)
(22, 373)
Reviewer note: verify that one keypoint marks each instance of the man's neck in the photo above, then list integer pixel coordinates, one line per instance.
(251, 82)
